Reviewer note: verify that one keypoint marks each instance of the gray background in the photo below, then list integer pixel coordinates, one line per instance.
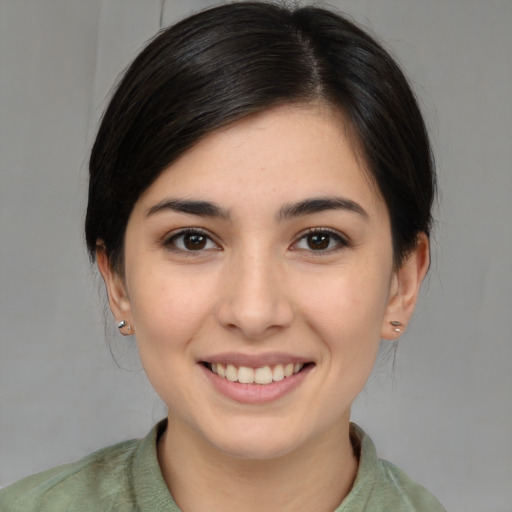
(443, 413)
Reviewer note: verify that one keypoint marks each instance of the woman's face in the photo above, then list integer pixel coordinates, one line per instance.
(259, 280)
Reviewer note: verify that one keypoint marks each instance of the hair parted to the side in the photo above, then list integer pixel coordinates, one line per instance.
(228, 62)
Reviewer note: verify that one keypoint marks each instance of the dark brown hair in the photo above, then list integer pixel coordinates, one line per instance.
(228, 62)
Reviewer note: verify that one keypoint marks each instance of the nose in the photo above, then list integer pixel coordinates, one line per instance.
(253, 300)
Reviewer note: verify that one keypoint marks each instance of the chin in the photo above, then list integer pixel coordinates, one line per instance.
(263, 442)
(256, 449)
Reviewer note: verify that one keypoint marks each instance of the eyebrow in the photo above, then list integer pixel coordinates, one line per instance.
(199, 208)
(288, 211)
(320, 204)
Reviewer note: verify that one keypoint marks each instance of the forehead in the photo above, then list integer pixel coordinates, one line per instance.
(283, 154)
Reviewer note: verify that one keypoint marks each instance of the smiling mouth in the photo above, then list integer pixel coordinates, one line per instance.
(263, 375)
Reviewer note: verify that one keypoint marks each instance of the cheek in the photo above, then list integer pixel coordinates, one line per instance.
(168, 308)
(168, 313)
(347, 311)
(351, 302)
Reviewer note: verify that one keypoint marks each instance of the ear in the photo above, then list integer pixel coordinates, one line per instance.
(404, 289)
(116, 289)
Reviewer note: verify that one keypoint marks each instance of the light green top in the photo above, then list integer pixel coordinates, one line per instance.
(126, 477)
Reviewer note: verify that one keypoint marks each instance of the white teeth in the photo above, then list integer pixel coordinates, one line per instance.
(231, 373)
(245, 375)
(288, 370)
(263, 375)
(278, 373)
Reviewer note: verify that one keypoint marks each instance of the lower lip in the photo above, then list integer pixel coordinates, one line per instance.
(256, 393)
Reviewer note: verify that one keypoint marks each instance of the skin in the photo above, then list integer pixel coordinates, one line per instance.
(258, 284)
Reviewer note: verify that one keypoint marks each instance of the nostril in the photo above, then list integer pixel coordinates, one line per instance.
(254, 308)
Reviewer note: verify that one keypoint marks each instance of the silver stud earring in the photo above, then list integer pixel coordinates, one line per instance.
(396, 324)
(122, 324)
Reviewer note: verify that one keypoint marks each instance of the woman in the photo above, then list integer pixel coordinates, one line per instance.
(259, 209)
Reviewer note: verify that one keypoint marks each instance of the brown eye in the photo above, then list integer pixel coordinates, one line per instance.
(191, 240)
(321, 240)
(194, 242)
(318, 242)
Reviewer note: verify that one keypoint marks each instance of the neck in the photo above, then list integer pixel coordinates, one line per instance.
(317, 476)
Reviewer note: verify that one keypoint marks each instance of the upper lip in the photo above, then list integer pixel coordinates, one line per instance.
(255, 360)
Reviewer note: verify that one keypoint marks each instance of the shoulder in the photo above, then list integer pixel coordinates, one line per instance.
(380, 486)
(405, 494)
(100, 481)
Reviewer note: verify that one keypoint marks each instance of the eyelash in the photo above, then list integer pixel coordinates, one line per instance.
(340, 241)
(170, 241)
